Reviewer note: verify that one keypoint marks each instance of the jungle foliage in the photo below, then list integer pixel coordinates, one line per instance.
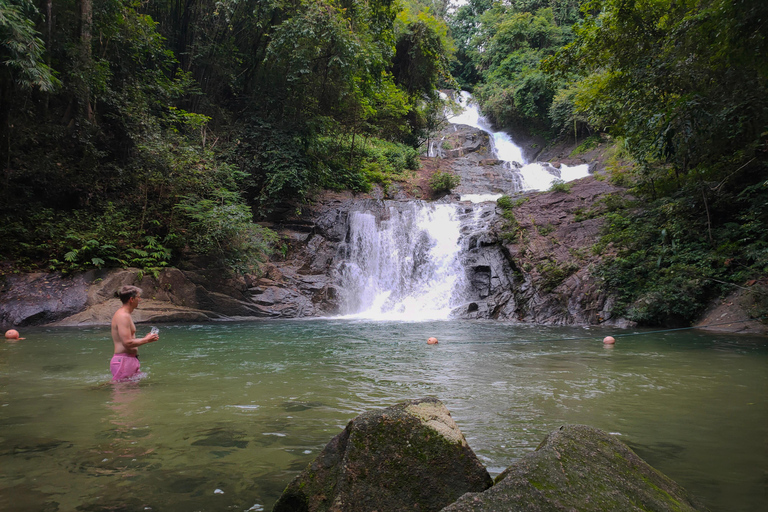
(150, 132)
(682, 87)
(153, 133)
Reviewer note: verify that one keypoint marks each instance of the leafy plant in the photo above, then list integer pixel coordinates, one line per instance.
(221, 228)
(553, 273)
(511, 231)
(443, 182)
(559, 185)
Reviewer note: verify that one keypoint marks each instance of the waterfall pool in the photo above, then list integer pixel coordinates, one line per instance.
(229, 413)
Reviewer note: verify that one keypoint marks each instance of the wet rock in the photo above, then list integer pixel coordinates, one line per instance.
(222, 437)
(543, 274)
(89, 298)
(732, 313)
(580, 468)
(411, 456)
(39, 298)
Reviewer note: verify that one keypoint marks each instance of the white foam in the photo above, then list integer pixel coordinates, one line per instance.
(480, 198)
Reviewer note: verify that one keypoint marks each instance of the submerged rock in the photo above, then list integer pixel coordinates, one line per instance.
(410, 456)
(579, 468)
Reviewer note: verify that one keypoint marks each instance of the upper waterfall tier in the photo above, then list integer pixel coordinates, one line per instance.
(512, 172)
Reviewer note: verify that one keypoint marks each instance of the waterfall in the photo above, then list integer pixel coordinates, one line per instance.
(403, 264)
(534, 175)
(404, 261)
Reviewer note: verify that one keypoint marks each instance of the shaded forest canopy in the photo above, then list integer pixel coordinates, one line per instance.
(154, 133)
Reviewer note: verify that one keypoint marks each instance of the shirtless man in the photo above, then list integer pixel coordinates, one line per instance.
(125, 362)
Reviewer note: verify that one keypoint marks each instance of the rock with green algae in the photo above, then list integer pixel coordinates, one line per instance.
(411, 456)
(580, 468)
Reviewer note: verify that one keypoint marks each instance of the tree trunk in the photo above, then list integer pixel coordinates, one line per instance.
(48, 43)
(86, 24)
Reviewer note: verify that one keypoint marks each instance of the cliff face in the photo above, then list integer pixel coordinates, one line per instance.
(536, 262)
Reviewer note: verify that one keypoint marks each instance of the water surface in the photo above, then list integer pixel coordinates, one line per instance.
(229, 412)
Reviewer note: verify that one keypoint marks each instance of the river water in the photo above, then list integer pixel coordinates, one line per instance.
(229, 413)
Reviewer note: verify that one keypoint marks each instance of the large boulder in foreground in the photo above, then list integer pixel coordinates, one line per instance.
(579, 468)
(410, 456)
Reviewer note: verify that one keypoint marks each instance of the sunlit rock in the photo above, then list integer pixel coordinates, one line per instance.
(580, 468)
(411, 456)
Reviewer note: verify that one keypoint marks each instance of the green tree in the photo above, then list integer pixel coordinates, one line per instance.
(685, 85)
(684, 82)
(464, 25)
(22, 63)
(515, 91)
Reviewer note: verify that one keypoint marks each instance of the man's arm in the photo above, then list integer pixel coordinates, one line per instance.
(126, 332)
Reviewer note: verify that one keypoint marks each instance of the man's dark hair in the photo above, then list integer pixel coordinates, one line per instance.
(127, 292)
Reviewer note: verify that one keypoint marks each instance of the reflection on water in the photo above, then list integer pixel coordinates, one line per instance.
(229, 413)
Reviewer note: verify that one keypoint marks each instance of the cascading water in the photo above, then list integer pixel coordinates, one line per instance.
(403, 265)
(534, 175)
(404, 262)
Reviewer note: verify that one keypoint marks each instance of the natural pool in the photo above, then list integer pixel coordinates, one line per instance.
(230, 412)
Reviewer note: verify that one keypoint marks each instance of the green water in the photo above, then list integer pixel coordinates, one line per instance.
(229, 413)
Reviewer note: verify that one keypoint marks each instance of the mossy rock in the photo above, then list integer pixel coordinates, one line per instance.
(410, 456)
(580, 468)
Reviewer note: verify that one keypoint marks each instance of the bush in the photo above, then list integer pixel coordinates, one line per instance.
(221, 227)
(553, 273)
(671, 263)
(443, 182)
(560, 186)
(80, 240)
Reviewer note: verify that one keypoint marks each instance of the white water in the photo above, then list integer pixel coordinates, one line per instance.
(535, 176)
(404, 267)
(405, 264)
(480, 198)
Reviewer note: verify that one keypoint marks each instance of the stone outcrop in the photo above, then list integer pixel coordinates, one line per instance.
(580, 468)
(473, 161)
(411, 456)
(173, 296)
(728, 314)
(537, 268)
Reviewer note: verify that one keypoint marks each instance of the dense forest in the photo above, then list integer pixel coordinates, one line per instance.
(154, 133)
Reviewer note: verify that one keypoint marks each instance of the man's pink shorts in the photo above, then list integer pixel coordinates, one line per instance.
(124, 366)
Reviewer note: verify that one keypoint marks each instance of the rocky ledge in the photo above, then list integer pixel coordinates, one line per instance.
(412, 456)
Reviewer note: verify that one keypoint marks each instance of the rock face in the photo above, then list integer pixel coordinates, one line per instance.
(473, 161)
(537, 266)
(88, 298)
(727, 315)
(411, 456)
(579, 468)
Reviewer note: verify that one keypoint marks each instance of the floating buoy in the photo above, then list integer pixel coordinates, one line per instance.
(432, 341)
(609, 340)
(12, 334)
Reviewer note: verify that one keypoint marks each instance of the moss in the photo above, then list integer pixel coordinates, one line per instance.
(588, 144)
